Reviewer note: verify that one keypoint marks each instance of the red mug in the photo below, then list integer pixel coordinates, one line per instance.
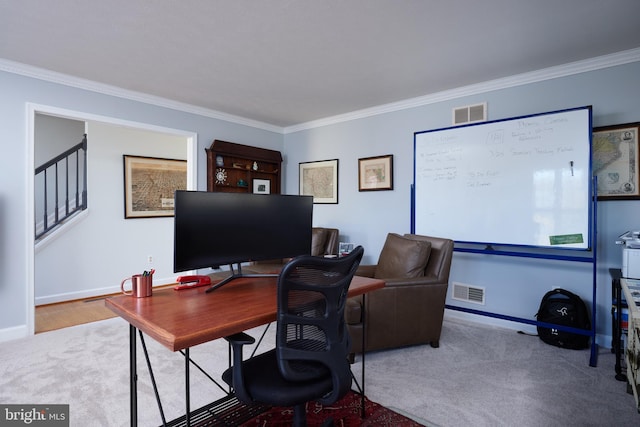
(141, 285)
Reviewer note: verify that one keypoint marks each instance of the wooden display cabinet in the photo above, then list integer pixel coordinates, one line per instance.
(237, 168)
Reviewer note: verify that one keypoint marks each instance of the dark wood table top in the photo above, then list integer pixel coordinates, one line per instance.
(186, 318)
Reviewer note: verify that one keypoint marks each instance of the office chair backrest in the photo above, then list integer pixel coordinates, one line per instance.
(312, 338)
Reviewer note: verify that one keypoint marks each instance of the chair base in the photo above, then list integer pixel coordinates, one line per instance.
(300, 415)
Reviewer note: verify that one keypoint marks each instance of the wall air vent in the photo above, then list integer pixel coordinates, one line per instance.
(470, 114)
(467, 293)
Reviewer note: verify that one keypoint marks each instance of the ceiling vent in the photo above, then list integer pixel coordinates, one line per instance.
(468, 293)
(470, 114)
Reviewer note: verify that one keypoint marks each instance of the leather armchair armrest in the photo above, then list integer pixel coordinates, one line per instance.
(414, 281)
(366, 270)
(353, 311)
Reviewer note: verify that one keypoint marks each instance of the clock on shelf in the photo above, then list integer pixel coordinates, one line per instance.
(221, 176)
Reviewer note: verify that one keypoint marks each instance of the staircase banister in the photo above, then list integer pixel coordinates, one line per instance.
(80, 146)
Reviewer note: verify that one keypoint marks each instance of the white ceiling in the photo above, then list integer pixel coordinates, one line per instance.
(287, 62)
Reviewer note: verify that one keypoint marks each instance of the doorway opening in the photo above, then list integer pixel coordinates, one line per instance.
(96, 240)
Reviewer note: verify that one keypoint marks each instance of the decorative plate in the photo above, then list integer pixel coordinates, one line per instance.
(221, 176)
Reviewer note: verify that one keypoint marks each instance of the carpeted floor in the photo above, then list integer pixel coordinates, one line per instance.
(484, 376)
(480, 376)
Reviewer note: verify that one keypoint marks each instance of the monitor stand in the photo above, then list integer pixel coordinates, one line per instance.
(237, 275)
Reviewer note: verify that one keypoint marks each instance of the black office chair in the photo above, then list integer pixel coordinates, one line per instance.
(310, 360)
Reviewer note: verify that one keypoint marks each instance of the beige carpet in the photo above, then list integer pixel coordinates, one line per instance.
(482, 376)
(478, 377)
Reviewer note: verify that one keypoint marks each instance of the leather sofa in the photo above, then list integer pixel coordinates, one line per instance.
(324, 241)
(410, 308)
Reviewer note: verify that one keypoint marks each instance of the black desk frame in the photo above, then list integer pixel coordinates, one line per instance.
(250, 411)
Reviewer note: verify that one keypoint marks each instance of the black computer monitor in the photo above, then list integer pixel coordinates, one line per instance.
(213, 229)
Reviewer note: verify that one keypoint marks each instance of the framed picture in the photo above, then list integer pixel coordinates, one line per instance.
(615, 161)
(261, 186)
(375, 173)
(150, 184)
(320, 180)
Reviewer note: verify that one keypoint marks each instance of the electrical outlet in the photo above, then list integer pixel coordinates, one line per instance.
(150, 259)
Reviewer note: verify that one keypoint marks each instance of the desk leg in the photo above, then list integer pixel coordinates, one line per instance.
(133, 377)
(364, 350)
(187, 396)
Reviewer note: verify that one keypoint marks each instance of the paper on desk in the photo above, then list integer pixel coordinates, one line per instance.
(630, 239)
(634, 289)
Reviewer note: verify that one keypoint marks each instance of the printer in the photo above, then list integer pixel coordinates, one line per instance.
(630, 242)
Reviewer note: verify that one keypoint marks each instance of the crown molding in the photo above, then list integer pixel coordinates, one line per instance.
(75, 82)
(597, 63)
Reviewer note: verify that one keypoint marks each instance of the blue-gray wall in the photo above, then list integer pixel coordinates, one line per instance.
(513, 286)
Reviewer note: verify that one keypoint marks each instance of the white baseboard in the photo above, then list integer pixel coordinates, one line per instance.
(491, 321)
(13, 333)
(602, 340)
(91, 293)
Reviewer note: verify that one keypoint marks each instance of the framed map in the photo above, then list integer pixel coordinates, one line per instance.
(375, 173)
(615, 161)
(150, 184)
(320, 180)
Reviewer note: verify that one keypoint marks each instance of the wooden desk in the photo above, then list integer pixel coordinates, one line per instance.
(182, 319)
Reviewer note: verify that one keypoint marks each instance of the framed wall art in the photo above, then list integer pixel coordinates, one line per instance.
(375, 173)
(615, 161)
(150, 184)
(320, 180)
(261, 186)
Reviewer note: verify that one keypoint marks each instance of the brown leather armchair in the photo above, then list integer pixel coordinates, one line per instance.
(410, 308)
(324, 241)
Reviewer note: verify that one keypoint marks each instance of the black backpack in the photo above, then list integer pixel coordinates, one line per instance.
(561, 307)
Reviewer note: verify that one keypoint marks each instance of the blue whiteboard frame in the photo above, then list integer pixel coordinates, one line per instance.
(540, 252)
(470, 141)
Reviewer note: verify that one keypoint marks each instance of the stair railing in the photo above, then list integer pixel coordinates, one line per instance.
(68, 173)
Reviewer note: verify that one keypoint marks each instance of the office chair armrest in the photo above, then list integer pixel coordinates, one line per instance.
(237, 341)
(240, 339)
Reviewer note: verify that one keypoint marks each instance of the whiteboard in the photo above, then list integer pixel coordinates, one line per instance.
(523, 181)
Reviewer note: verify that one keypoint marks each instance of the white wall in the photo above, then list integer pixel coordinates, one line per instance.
(513, 286)
(103, 248)
(54, 135)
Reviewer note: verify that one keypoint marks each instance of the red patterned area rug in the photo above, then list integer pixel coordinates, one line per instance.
(345, 413)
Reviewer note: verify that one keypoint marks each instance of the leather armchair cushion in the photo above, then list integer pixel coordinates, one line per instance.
(402, 257)
(318, 241)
